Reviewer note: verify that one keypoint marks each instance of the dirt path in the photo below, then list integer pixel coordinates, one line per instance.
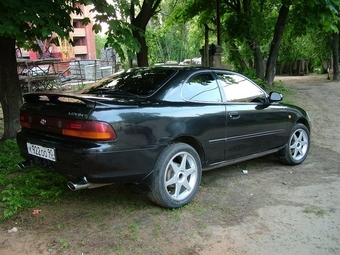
(307, 218)
(320, 98)
(274, 209)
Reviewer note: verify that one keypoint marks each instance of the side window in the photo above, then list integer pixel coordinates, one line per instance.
(239, 89)
(202, 88)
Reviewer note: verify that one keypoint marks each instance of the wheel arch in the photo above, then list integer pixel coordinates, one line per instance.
(304, 122)
(177, 174)
(193, 143)
(145, 182)
(299, 151)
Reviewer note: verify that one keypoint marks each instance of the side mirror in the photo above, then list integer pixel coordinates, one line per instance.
(275, 97)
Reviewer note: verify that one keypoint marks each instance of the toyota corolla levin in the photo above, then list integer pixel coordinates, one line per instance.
(159, 127)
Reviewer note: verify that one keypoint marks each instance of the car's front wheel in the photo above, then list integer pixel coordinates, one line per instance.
(297, 147)
(177, 176)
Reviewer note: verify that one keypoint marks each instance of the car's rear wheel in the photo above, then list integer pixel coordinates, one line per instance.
(177, 176)
(297, 147)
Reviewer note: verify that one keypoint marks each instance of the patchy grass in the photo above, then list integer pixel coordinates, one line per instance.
(20, 189)
(319, 212)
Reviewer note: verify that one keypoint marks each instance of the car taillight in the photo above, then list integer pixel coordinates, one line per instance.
(95, 130)
(88, 129)
(25, 121)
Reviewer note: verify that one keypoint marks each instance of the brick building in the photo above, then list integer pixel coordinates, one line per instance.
(83, 38)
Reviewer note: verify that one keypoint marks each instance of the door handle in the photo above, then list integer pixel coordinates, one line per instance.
(234, 115)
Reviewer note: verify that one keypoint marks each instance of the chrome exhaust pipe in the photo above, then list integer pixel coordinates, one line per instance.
(84, 184)
(81, 184)
(25, 164)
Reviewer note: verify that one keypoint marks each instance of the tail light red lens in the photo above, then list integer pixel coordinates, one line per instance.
(94, 130)
(24, 121)
(88, 129)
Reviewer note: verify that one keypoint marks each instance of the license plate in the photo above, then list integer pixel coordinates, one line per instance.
(40, 151)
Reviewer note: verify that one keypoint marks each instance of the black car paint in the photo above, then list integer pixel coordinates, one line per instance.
(222, 133)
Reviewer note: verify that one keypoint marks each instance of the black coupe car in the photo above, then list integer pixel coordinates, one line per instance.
(160, 127)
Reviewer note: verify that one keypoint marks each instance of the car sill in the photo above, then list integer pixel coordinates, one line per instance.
(241, 159)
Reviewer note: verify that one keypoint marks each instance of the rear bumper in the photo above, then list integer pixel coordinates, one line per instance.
(97, 162)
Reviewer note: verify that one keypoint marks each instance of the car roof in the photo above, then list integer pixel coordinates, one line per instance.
(189, 68)
(186, 67)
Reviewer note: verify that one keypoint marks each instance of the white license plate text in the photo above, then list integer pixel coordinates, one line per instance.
(40, 151)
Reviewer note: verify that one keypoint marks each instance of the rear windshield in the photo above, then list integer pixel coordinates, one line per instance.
(139, 81)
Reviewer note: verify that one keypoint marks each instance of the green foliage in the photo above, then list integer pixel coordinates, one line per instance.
(125, 20)
(187, 10)
(309, 25)
(315, 16)
(174, 42)
(27, 21)
(100, 41)
(21, 190)
(315, 48)
(279, 87)
(8, 155)
(248, 25)
(251, 73)
(120, 38)
(308, 34)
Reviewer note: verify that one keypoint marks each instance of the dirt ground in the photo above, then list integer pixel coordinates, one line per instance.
(274, 209)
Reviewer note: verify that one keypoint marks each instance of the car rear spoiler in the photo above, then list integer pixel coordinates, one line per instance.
(64, 98)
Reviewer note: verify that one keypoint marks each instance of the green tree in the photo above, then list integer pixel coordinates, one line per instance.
(203, 15)
(127, 20)
(249, 28)
(276, 42)
(314, 46)
(21, 23)
(100, 41)
(319, 19)
(171, 39)
(245, 27)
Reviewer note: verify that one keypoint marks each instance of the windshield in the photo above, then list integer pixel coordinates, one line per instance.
(137, 81)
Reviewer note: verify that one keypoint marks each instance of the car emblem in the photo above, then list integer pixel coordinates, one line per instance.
(43, 122)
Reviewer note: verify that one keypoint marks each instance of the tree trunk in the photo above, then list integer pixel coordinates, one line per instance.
(206, 45)
(258, 59)
(10, 90)
(142, 55)
(276, 43)
(236, 58)
(254, 45)
(147, 10)
(335, 56)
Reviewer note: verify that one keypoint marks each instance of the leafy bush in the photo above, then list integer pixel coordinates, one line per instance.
(8, 154)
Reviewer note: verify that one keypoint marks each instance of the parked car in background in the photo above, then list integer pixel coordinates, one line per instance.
(159, 127)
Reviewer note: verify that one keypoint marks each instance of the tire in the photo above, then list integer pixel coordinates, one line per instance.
(297, 147)
(177, 176)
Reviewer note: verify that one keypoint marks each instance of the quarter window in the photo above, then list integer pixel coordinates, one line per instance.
(239, 89)
(203, 88)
